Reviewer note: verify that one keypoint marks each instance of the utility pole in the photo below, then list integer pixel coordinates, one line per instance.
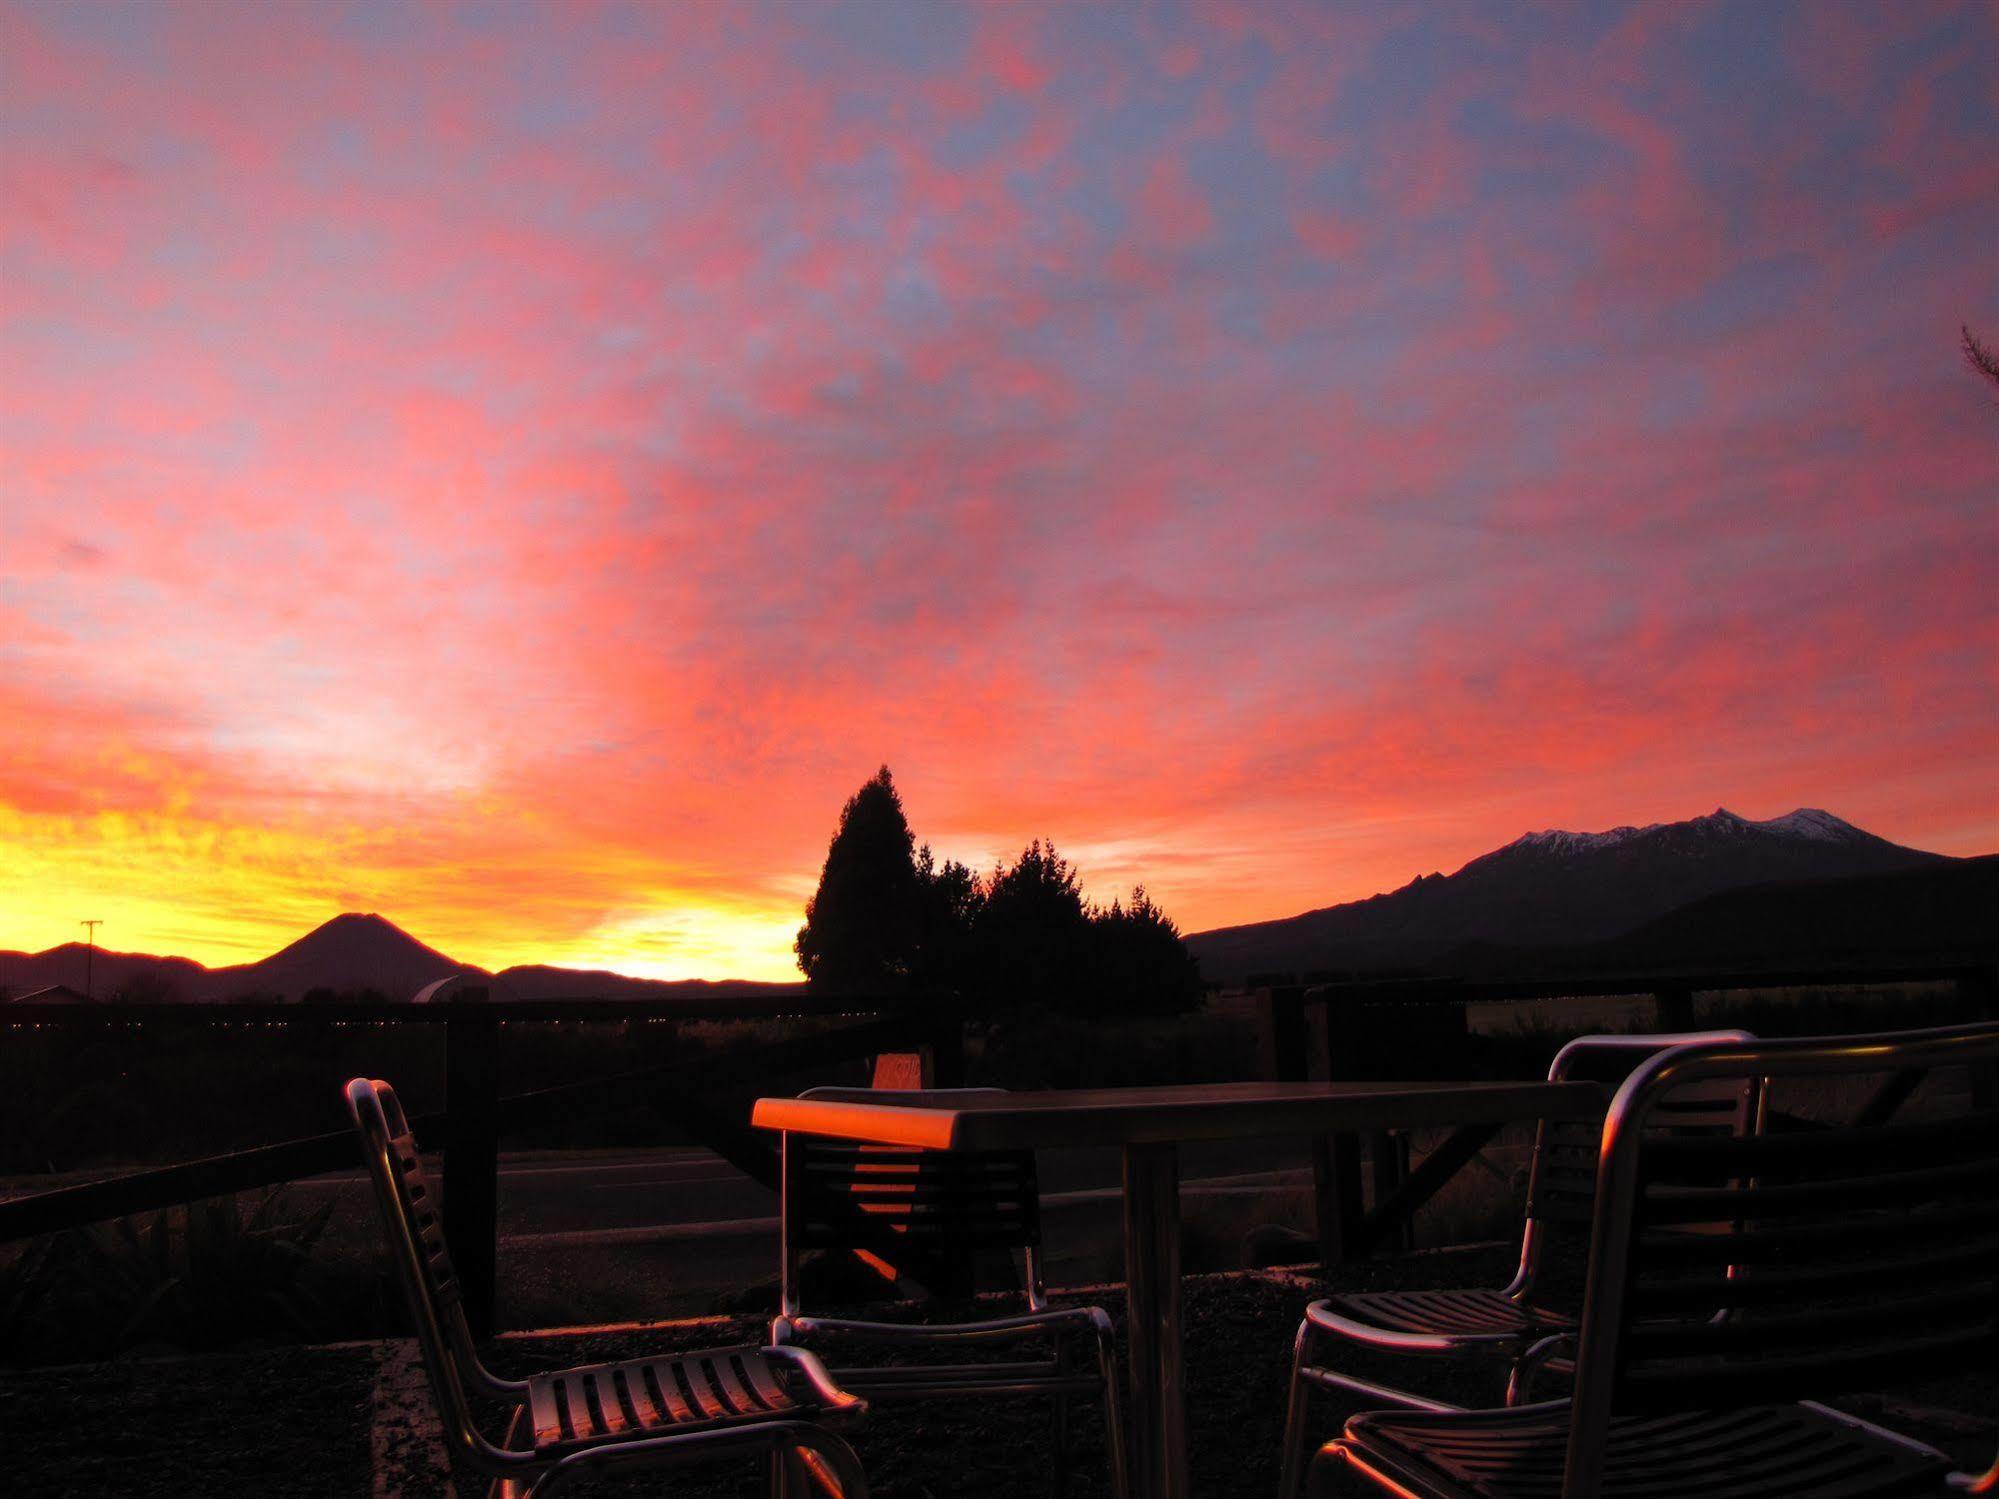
(90, 955)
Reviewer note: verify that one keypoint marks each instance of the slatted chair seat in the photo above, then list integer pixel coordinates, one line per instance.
(1485, 1311)
(654, 1396)
(1759, 1453)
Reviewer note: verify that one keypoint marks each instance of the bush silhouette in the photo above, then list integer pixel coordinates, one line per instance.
(888, 919)
(1142, 965)
(1032, 933)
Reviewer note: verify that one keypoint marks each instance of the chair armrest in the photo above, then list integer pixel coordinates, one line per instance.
(994, 1329)
(1975, 1483)
(1322, 1318)
(616, 1456)
(829, 1395)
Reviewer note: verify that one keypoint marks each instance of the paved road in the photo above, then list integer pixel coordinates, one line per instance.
(666, 1194)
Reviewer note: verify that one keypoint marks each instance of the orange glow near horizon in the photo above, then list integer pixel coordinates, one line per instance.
(521, 478)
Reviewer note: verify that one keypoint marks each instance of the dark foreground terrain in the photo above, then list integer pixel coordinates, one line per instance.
(352, 1420)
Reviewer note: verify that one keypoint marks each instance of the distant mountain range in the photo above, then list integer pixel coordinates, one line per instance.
(1712, 890)
(347, 955)
(1558, 890)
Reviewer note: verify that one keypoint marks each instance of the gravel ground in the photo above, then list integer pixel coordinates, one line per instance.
(291, 1421)
(298, 1422)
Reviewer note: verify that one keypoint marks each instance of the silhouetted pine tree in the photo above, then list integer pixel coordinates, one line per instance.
(862, 926)
(889, 919)
(1031, 937)
(948, 902)
(1143, 968)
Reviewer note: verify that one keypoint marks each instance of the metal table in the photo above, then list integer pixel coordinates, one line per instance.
(1149, 1123)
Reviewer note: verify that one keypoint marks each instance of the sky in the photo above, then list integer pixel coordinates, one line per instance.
(519, 467)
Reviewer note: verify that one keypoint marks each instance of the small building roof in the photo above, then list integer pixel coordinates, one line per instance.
(54, 994)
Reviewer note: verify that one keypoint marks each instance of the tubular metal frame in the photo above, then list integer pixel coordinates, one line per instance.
(1589, 1411)
(795, 1443)
(1052, 1377)
(1528, 1349)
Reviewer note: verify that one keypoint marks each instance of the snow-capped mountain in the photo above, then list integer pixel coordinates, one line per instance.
(1806, 822)
(1558, 887)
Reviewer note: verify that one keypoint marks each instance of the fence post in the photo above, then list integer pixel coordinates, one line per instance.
(1336, 1198)
(1283, 1034)
(947, 1049)
(1336, 1160)
(472, 1150)
(1388, 1163)
(1673, 1009)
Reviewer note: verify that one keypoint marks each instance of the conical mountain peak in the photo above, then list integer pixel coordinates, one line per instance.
(353, 951)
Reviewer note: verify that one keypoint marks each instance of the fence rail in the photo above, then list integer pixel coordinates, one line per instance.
(712, 1112)
(1427, 1015)
(475, 1114)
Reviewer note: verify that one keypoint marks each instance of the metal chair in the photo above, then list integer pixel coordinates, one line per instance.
(1503, 1323)
(602, 1418)
(1731, 1279)
(940, 1205)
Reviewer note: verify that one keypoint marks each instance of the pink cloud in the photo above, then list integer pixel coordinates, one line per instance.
(1278, 451)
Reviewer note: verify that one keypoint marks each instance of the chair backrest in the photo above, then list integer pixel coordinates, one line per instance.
(414, 1227)
(1746, 1270)
(902, 1204)
(1561, 1174)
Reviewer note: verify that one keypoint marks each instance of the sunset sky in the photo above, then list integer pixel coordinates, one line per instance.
(519, 467)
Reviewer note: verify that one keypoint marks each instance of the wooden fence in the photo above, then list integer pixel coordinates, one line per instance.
(475, 1114)
(1365, 1021)
(1375, 1026)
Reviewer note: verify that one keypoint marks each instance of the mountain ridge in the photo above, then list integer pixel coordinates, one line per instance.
(1556, 888)
(1546, 890)
(1936, 915)
(348, 953)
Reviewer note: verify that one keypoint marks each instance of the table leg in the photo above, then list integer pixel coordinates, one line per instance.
(1153, 1317)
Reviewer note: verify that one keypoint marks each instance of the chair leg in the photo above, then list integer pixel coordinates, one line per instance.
(1328, 1468)
(1527, 1368)
(1519, 1383)
(1297, 1404)
(1114, 1434)
(552, 1482)
(790, 1478)
(1058, 1447)
(1058, 1427)
(827, 1460)
(519, 1438)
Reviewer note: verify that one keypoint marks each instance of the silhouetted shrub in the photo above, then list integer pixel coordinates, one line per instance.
(1031, 935)
(887, 919)
(1142, 965)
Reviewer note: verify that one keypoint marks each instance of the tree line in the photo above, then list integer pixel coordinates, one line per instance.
(887, 918)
